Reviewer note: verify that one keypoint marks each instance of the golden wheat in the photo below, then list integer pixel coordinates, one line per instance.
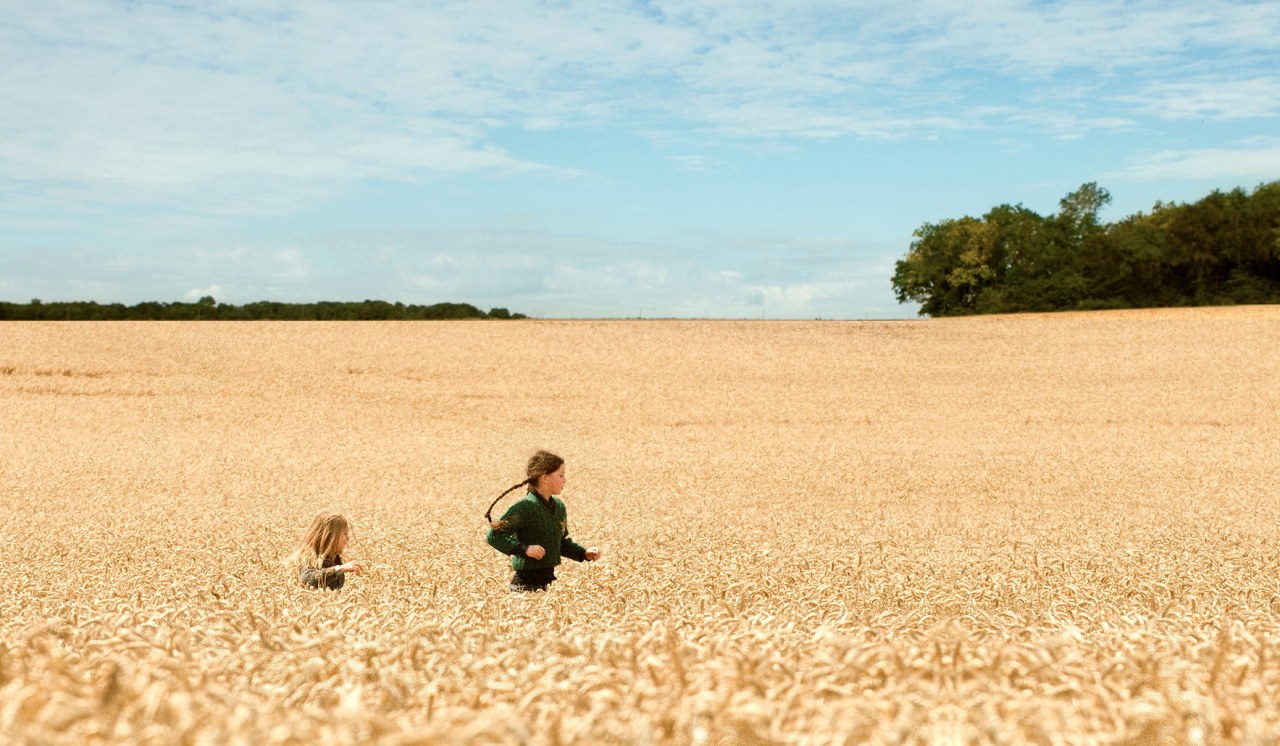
(1047, 529)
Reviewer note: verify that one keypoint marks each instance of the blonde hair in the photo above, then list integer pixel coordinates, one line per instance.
(320, 542)
(540, 464)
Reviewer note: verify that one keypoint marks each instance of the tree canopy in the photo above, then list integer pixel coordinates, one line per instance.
(1221, 250)
(209, 308)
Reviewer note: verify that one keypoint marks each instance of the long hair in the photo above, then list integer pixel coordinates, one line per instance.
(320, 542)
(540, 463)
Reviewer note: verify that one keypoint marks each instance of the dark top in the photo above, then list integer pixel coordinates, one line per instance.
(536, 520)
(326, 576)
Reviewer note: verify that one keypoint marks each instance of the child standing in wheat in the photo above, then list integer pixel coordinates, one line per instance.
(535, 529)
(318, 558)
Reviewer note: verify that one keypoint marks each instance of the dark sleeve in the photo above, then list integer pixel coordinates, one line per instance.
(330, 578)
(570, 548)
(507, 539)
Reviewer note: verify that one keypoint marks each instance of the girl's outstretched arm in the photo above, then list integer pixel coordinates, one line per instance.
(331, 577)
(572, 549)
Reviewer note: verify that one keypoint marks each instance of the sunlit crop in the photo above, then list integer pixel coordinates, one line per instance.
(1046, 529)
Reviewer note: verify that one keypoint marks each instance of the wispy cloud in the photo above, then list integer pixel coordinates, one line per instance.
(550, 273)
(1209, 98)
(142, 142)
(1258, 160)
(260, 107)
(695, 163)
(195, 294)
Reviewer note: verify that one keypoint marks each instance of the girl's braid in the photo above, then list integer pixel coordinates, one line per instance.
(488, 514)
(540, 463)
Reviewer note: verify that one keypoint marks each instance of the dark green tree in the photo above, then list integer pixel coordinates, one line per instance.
(1224, 248)
(946, 268)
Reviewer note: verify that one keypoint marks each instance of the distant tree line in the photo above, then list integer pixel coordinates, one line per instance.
(208, 308)
(1222, 250)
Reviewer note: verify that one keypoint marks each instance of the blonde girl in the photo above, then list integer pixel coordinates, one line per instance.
(318, 558)
(535, 530)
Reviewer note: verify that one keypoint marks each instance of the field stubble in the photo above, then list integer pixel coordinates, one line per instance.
(1049, 529)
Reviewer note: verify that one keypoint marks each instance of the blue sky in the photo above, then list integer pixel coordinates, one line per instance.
(609, 159)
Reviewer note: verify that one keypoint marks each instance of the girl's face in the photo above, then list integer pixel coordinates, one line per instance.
(553, 483)
(342, 541)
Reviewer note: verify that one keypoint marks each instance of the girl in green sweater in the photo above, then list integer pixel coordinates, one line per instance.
(535, 529)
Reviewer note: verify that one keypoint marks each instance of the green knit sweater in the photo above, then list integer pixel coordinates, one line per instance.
(529, 521)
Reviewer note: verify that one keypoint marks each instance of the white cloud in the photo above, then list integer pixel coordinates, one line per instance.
(195, 294)
(694, 163)
(558, 274)
(1255, 161)
(293, 264)
(803, 299)
(192, 116)
(1210, 98)
(1030, 39)
(645, 274)
(260, 108)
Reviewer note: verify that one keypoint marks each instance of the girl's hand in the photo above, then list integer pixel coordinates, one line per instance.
(535, 551)
(351, 567)
(593, 554)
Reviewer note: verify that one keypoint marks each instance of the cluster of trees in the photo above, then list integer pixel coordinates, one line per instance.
(208, 308)
(1222, 250)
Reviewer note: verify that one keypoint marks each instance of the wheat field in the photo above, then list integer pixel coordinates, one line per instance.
(1023, 529)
